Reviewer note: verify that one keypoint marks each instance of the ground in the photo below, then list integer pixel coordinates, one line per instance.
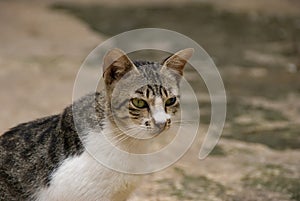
(255, 46)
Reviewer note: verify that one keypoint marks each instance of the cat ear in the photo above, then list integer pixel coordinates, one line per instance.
(116, 64)
(178, 60)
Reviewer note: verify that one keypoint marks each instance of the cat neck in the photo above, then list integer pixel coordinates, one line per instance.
(111, 137)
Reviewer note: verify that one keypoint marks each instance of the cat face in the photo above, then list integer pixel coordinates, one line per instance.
(153, 107)
(143, 97)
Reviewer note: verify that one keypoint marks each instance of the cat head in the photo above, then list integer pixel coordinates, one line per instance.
(143, 97)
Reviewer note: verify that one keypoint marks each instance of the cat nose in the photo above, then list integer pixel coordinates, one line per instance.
(161, 125)
(161, 119)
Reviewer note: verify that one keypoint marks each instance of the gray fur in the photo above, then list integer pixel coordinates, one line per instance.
(31, 152)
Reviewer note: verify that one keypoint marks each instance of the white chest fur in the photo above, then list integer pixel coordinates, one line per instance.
(82, 178)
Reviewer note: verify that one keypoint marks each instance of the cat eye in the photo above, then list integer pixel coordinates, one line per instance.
(170, 101)
(139, 103)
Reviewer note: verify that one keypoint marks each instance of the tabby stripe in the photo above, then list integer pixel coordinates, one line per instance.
(151, 88)
(139, 92)
(134, 114)
(121, 104)
(133, 109)
(160, 91)
(44, 135)
(52, 149)
(165, 91)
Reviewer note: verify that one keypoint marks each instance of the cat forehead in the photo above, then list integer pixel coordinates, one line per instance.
(152, 72)
(147, 67)
(139, 63)
(156, 90)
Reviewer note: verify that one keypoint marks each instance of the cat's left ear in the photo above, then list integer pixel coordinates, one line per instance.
(177, 61)
(116, 65)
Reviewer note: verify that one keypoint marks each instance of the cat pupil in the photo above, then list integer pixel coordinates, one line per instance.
(170, 101)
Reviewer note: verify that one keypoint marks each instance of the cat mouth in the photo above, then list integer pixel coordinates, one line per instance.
(160, 129)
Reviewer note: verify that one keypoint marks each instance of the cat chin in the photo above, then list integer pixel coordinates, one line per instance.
(152, 134)
(160, 132)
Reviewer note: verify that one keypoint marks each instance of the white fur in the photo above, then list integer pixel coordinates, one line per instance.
(160, 117)
(82, 178)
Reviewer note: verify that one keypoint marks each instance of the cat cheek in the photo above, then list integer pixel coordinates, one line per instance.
(172, 110)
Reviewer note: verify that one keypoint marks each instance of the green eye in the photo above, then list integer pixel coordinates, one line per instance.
(139, 103)
(170, 101)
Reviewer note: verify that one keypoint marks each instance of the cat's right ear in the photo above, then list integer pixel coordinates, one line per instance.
(116, 64)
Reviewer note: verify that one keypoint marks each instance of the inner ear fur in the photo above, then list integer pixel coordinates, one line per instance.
(116, 64)
(177, 61)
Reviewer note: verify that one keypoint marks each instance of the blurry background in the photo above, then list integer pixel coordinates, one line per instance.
(255, 44)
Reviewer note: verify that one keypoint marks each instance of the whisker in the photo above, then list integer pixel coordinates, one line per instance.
(120, 133)
(183, 120)
(125, 137)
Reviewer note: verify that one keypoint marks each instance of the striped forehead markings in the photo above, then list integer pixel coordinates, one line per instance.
(154, 90)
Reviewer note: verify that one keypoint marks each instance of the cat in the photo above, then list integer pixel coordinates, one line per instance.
(46, 160)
